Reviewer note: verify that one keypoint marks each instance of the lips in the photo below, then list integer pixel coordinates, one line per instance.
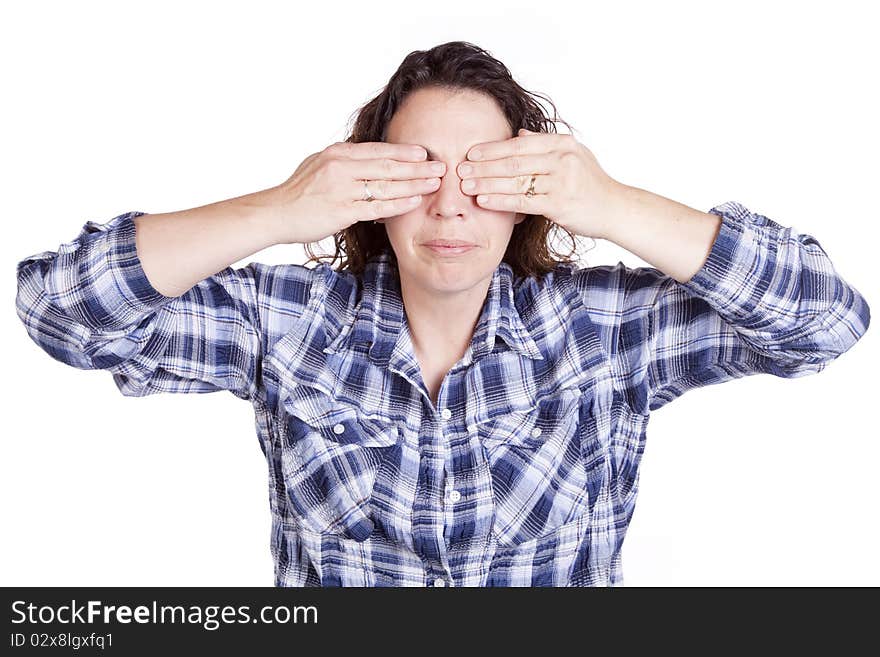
(449, 243)
(460, 248)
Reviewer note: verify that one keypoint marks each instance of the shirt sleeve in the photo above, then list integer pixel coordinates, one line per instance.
(766, 300)
(90, 305)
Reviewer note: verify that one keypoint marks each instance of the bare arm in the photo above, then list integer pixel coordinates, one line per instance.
(179, 249)
(674, 238)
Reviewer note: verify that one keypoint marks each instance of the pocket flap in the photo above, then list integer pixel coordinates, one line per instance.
(550, 418)
(337, 421)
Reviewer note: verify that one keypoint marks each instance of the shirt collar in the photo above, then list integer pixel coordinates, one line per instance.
(379, 317)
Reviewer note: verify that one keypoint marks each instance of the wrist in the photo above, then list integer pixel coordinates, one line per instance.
(262, 214)
(618, 197)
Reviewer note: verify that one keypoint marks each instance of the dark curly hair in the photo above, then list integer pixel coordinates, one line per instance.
(454, 65)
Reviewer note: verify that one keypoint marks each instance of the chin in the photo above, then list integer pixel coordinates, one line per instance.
(455, 275)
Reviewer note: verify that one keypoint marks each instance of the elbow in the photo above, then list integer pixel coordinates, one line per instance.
(851, 319)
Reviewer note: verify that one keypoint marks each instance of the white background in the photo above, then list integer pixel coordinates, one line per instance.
(163, 106)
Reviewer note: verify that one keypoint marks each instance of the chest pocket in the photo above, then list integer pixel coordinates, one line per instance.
(331, 457)
(537, 466)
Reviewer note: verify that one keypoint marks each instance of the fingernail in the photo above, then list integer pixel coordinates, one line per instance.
(438, 167)
(475, 154)
(465, 169)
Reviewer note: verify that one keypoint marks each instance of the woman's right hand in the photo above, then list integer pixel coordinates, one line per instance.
(325, 193)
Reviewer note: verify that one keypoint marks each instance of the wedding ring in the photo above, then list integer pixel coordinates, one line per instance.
(368, 195)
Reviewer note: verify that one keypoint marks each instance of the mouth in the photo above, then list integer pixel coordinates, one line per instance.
(449, 247)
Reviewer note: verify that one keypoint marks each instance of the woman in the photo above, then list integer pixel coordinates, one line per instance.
(468, 415)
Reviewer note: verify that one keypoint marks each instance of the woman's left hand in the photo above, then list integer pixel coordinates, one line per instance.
(571, 189)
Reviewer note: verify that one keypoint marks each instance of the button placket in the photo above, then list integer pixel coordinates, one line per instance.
(452, 495)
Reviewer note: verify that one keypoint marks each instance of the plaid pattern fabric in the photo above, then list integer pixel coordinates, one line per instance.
(526, 471)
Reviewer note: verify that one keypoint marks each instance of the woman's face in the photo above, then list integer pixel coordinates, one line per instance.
(448, 124)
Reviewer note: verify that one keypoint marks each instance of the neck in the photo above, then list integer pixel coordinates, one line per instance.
(442, 325)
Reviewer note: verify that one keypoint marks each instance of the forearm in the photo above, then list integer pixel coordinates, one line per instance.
(674, 238)
(179, 249)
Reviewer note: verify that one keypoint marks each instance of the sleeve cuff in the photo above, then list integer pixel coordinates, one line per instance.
(739, 269)
(123, 261)
(99, 278)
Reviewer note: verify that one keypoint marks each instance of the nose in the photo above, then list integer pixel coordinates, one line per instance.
(448, 199)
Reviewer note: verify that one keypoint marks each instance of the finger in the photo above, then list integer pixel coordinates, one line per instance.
(508, 167)
(369, 210)
(389, 169)
(515, 185)
(539, 142)
(391, 189)
(537, 204)
(371, 150)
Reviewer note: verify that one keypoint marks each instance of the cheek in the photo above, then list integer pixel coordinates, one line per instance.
(500, 230)
(401, 229)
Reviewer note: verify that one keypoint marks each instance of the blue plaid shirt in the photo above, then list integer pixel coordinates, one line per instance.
(526, 471)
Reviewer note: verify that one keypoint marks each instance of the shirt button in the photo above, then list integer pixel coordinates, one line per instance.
(454, 495)
(446, 413)
(536, 432)
(338, 428)
(439, 582)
